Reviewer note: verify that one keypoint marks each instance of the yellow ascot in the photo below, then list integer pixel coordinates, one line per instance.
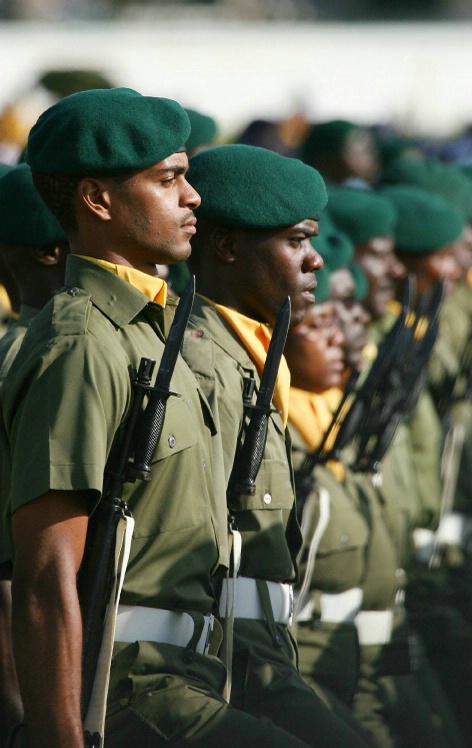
(152, 287)
(255, 337)
(311, 416)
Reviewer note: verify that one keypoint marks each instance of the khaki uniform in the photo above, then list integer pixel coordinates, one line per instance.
(396, 675)
(439, 599)
(266, 681)
(9, 347)
(67, 395)
(327, 639)
(12, 340)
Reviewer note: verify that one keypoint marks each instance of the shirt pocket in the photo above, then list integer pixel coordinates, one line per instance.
(176, 497)
(273, 489)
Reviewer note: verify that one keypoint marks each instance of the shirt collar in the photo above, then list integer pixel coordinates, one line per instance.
(115, 297)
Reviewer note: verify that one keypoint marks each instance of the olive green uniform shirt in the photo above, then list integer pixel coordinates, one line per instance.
(265, 679)
(329, 652)
(9, 346)
(267, 522)
(68, 393)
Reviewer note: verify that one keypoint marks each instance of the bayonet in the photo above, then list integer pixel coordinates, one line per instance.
(248, 462)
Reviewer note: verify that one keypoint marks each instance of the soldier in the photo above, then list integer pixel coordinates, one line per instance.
(387, 681)
(259, 212)
(438, 593)
(343, 151)
(110, 165)
(33, 248)
(334, 524)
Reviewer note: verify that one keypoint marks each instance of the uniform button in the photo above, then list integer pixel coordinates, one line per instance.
(204, 463)
(73, 291)
(267, 498)
(171, 440)
(198, 333)
(345, 539)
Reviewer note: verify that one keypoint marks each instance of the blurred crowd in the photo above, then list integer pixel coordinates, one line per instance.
(380, 415)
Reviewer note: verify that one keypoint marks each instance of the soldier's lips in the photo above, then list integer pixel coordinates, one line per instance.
(190, 226)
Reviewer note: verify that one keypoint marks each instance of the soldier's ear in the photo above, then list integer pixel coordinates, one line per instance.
(224, 244)
(94, 195)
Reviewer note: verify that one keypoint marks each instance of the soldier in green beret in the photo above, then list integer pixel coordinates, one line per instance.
(111, 167)
(369, 221)
(253, 248)
(34, 249)
(335, 530)
(438, 592)
(344, 152)
(394, 503)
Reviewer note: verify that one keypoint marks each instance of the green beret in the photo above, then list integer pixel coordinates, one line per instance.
(4, 169)
(24, 217)
(361, 214)
(321, 292)
(466, 170)
(106, 131)
(333, 245)
(325, 138)
(178, 277)
(426, 222)
(66, 82)
(203, 130)
(246, 186)
(446, 180)
(361, 283)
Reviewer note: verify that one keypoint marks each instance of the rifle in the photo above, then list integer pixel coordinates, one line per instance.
(353, 409)
(248, 462)
(97, 579)
(401, 386)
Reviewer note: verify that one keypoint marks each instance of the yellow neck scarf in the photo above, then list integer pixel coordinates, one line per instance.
(5, 302)
(255, 337)
(469, 278)
(153, 288)
(311, 416)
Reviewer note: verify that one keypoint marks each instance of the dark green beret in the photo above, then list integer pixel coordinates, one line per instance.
(203, 130)
(426, 222)
(466, 170)
(246, 186)
(361, 214)
(446, 180)
(325, 138)
(333, 245)
(178, 277)
(66, 82)
(321, 292)
(106, 131)
(24, 217)
(361, 283)
(4, 169)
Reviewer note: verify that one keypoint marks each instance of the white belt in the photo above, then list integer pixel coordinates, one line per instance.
(341, 608)
(453, 529)
(424, 541)
(138, 623)
(374, 626)
(247, 602)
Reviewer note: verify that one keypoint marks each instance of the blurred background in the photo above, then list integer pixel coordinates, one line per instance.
(399, 66)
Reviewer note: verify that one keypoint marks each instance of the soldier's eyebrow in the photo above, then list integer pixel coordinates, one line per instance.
(171, 169)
